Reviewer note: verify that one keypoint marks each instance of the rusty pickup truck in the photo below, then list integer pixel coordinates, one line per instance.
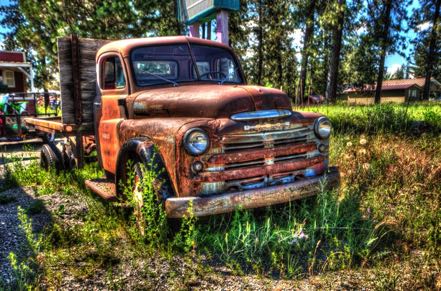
(184, 105)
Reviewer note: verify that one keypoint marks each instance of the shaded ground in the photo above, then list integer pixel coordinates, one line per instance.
(12, 238)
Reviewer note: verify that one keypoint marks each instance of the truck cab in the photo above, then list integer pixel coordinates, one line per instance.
(220, 143)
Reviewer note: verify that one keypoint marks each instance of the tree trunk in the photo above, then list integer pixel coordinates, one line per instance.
(279, 57)
(432, 45)
(309, 30)
(260, 44)
(384, 46)
(334, 60)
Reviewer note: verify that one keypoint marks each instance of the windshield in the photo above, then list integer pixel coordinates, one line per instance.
(156, 65)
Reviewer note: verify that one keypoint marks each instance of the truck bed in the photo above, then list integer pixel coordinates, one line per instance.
(54, 124)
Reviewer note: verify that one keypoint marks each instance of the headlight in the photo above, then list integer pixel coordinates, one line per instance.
(196, 141)
(322, 128)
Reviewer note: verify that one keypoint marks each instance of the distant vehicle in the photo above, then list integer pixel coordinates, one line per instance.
(183, 104)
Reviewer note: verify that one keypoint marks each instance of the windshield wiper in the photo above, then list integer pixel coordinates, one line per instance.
(175, 84)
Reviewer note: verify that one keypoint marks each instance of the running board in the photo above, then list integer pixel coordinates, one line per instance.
(103, 188)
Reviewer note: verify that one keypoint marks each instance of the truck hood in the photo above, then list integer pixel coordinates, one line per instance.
(208, 100)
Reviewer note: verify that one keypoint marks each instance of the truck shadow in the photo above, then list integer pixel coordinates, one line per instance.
(18, 207)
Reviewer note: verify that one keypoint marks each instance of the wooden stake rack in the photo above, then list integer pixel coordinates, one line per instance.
(76, 59)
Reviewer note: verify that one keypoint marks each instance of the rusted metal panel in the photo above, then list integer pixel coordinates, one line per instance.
(212, 101)
(109, 143)
(166, 135)
(179, 207)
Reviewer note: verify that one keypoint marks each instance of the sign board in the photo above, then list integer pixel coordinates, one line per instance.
(191, 11)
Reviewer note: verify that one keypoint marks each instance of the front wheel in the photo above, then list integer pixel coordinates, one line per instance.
(149, 189)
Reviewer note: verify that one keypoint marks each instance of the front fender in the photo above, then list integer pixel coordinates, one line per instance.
(140, 147)
(163, 133)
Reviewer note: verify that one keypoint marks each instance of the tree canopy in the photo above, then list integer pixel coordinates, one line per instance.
(302, 47)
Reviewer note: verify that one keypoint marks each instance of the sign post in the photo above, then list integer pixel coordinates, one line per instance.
(196, 12)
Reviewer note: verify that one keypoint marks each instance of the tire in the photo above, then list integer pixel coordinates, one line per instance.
(48, 158)
(68, 158)
(161, 185)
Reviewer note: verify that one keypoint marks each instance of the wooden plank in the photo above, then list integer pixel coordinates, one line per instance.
(87, 77)
(66, 84)
(50, 124)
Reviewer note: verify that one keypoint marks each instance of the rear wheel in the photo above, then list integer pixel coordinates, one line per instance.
(48, 158)
(69, 161)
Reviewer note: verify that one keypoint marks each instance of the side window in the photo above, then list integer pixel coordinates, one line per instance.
(112, 74)
(9, 79)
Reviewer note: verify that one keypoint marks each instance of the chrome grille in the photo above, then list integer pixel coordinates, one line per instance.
(269, 139)
(297, 157)
(231, 147)
(255, 163)
(253, 142)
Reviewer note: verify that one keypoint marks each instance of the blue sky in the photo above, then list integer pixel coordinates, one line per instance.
(395, 60)
(392, 61)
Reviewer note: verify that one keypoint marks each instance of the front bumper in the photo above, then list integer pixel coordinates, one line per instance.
(224, 203)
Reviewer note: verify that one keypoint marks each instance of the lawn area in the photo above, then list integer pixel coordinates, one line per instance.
(380, 230)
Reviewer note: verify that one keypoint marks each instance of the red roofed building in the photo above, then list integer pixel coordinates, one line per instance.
(393, 91)
(15, 72)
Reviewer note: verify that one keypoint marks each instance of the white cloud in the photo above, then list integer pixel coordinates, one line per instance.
(392, 69)
(424, 26)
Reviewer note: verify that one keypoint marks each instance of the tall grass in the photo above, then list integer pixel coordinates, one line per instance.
(411, 119)
(310, 236)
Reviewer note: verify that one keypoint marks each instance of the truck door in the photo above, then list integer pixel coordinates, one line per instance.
(110, 112)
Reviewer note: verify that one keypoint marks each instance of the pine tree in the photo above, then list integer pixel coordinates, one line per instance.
(432, 55)
(307, 40)
(334, 60)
